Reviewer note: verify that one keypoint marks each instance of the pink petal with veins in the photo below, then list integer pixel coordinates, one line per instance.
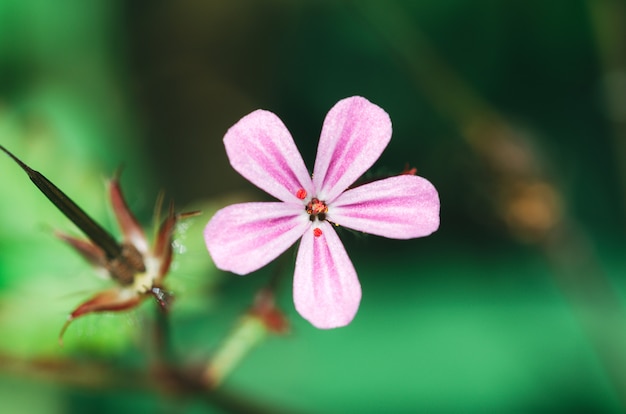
(326, 290)
(245, 237)
(354, 134)
(261, 149)
(401, 207)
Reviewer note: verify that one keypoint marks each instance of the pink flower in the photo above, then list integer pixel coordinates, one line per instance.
(245, 237)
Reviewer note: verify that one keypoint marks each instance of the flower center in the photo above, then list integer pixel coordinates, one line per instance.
(316, 209)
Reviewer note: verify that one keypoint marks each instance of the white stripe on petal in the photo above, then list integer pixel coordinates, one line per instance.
(401, 207)
(261, 149)
(245, 237)
(326, 290)
(354, 134)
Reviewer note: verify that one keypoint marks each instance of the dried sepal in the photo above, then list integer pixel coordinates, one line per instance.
(131, 230)
(138, 270)
(89, 251)
(163, 242)
(265, 309)
(115, 299)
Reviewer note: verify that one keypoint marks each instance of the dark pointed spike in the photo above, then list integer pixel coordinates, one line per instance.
(96, 234)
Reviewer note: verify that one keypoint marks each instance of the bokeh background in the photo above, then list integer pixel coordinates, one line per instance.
(515, 110)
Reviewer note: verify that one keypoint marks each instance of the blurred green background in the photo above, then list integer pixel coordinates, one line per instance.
(515, 110)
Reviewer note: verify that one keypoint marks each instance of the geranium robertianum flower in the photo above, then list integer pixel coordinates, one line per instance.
(138, 269)
(242, 238)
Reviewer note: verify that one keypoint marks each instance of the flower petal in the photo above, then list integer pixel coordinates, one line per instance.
(354, 134)
(261, 149)
(326, 290)
(400, 207)
(245, 237)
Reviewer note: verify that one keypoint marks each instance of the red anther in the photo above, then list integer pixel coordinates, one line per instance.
(317, 232)
(301, 194)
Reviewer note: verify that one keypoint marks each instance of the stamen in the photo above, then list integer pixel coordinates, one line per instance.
(316, 209)
(317, 232)
(301, 194)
